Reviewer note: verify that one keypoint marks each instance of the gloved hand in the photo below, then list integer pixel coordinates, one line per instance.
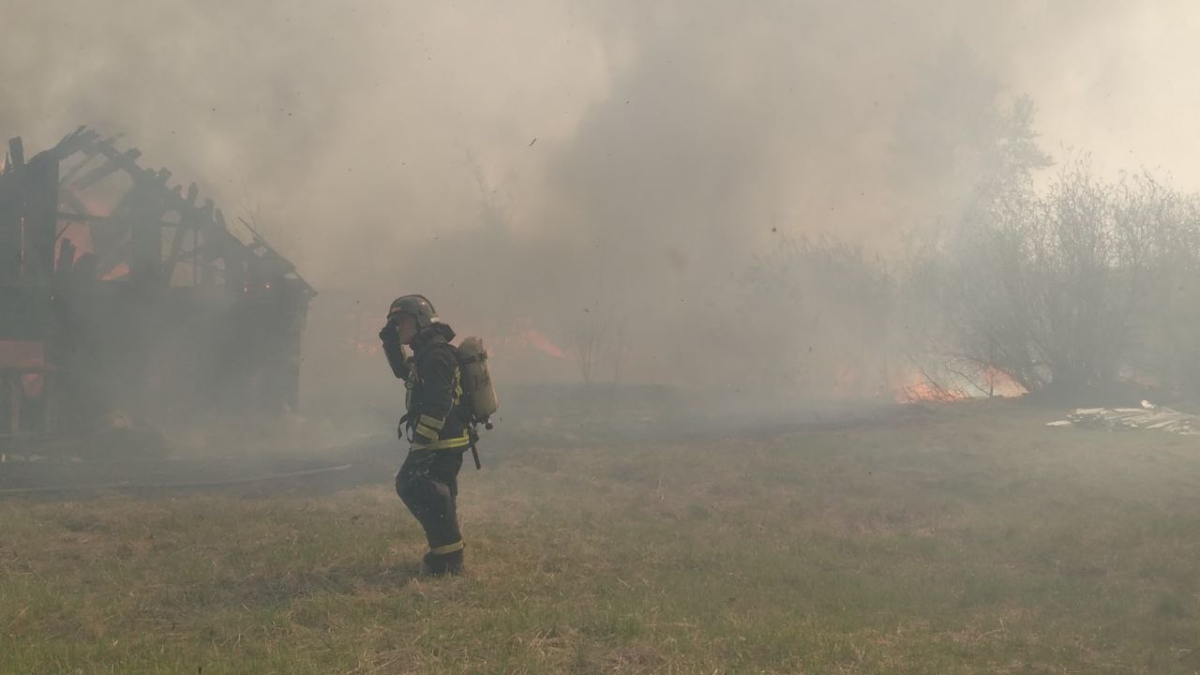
(394, 351)
(388, 334)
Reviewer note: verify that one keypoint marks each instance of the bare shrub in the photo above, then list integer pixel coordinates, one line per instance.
(1060, 290)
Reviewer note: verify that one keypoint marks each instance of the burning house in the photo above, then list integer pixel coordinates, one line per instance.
(123, 293)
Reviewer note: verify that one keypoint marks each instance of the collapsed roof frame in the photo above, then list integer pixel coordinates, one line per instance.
(85, 231)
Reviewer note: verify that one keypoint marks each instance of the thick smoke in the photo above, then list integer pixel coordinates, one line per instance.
(577, 168)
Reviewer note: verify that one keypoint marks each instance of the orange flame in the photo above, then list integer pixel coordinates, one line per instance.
(1002, 384)
(32, 384)
(542, 343)
(523, 334)
(922, 390)
(914, 387)
(80, 231)
(119, 272)
(80, 235)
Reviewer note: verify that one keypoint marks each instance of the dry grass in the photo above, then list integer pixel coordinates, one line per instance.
(970, 540)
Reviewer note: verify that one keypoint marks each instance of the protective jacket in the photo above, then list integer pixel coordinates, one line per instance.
(435, 417)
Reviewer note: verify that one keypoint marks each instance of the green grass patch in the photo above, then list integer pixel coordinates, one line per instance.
(972, 540)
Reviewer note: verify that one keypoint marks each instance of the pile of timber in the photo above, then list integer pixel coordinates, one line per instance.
(1149, 417)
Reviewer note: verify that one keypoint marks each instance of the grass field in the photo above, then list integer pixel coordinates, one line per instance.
(962, 539)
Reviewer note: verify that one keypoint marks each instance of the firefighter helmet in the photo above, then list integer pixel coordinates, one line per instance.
(417, 305)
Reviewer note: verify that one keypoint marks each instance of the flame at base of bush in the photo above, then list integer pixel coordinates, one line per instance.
(914, 386)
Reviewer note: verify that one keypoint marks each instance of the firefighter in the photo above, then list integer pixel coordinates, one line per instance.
(435, 425)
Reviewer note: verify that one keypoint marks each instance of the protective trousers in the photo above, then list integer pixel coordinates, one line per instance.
(428, 485)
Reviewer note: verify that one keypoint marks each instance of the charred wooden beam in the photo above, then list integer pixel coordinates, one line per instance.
(109, 244)
(82, 140)
(16, 151)
(186, 226)
(106, 169)
(146, 212)
(15, 396)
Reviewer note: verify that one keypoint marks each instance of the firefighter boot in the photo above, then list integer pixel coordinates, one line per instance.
(436, 565)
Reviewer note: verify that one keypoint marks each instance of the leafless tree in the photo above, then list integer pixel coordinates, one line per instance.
(618, 344)
(589, 338)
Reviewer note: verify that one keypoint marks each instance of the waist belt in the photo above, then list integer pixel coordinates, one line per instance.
(451, 443)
